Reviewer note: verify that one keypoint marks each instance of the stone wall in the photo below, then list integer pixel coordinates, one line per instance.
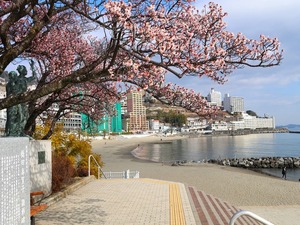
(263, 162)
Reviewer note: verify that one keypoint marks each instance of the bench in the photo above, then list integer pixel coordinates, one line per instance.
(36, 206)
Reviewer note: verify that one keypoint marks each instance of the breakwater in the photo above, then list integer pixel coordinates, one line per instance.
(263, 162)
(294, 131)
(250, 131)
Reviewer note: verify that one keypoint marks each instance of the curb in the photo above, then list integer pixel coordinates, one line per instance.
(53, 198)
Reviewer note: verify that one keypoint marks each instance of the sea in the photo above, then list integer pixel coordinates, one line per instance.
(207, 147)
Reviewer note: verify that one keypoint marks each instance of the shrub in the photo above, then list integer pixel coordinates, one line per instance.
(62, 171)
(70, 156)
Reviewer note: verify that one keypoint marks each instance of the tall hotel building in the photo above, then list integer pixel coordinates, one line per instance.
(233, 104)
(214, 97)
(136, 112)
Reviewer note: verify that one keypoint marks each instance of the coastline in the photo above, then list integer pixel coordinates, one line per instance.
(243, 188)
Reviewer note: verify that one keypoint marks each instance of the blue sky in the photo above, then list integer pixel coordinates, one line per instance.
(273, 91)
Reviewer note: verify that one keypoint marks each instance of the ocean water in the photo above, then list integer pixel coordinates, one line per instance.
(220, 147)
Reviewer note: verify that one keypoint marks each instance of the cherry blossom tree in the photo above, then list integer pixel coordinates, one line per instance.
(135, 43)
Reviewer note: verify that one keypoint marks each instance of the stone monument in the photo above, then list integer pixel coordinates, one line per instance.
(14, 181)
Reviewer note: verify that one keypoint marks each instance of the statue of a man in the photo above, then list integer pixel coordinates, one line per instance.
(17, 115)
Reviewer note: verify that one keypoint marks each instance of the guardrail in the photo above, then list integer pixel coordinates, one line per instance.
(99, 167)
(250, 214)
(122, 175)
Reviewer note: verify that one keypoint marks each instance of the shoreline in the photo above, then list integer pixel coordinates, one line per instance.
(241, 187)
(270, 197)
(137, 153)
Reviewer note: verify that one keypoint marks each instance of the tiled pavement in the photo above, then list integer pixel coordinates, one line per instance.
(212, 210)
(138, 202)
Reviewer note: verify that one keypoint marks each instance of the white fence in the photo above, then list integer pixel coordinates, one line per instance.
(122, 175)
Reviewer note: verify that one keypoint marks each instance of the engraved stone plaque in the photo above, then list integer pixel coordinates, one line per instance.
(41, 157)
(14, 181)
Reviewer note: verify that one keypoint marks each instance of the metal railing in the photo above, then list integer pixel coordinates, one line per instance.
(250, 214)
(99, 167)
(122, 175)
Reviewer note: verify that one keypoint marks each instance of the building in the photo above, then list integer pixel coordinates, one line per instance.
(252, 123)
(72, 122)
(218, 126)
(196, 122)
(123, 103)
(112, 123)
(214, 97)
(136, 112)
(116, 120)
(233, 104)
(108, 123)
(154, 125)
(88, 125)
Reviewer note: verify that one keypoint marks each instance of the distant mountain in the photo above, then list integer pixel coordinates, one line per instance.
(291, 126)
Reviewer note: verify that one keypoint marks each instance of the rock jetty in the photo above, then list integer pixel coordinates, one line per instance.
(263, 162)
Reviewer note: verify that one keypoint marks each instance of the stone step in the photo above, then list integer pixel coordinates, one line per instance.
(210, 210)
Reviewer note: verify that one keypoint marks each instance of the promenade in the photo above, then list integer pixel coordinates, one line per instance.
(138, 202)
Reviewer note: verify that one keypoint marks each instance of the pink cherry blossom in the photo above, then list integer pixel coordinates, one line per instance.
(103, 48)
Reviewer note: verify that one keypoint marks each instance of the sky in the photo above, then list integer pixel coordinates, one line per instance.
(271, 91)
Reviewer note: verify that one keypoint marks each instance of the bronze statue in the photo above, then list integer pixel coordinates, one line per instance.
(17, 115)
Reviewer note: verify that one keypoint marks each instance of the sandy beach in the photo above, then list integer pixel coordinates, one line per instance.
(272, 198)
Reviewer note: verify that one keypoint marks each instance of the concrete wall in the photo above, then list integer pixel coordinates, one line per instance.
(14, 181)
(40, 166)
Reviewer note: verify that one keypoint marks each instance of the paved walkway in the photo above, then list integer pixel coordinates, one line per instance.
(137, 202)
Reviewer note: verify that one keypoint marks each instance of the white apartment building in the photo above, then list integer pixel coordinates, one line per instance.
(195, 122)
(214, 97)
(218, 126)
(233, 104)
(252, 122)
(123, 102)
(154, 125)
(72, 122)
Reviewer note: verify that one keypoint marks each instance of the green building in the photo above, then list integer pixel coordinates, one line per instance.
(107, 123)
